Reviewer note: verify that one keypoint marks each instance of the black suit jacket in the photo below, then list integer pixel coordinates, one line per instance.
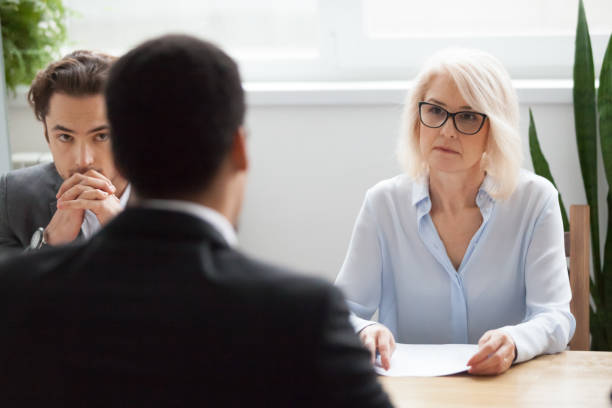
(157, 310)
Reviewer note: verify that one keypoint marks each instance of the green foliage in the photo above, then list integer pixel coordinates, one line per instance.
(586, 107)
(540, 165)
(585, 114)
(32, 32)
(604, 106)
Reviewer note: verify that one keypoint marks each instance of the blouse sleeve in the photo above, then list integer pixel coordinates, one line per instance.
(548, 324)
(361, 274)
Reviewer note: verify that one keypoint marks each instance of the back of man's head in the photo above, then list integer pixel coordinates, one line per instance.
(174, 105)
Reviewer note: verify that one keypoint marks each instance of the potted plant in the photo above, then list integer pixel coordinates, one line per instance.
(32, 33)
(589, 106)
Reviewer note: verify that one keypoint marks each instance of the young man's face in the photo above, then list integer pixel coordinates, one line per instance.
(78, 135)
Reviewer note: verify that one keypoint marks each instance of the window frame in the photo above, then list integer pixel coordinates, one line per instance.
(346, 53)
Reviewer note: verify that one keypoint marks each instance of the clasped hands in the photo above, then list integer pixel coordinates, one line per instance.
(88, 191)
(496, 349)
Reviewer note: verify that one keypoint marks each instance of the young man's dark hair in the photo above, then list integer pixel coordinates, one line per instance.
(79, 73)
(162, 157)
(160, 308)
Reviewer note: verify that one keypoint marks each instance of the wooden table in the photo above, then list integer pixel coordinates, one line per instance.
(569, 379)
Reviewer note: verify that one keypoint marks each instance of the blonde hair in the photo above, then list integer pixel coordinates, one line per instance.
(486, 86)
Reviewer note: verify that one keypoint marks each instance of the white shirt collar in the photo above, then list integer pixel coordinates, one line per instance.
(420, 189)
(125, 196)
(422, 201)
(213, 217)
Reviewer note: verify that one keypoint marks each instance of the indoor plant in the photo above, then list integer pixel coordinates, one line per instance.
(32, 32)
(587, 109)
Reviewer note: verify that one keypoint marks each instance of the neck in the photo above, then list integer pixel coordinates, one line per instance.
(223, 204)
(454, 192)
(223, 195)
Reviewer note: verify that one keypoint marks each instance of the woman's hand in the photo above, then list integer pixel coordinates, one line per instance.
(378, 337)
(495, 355)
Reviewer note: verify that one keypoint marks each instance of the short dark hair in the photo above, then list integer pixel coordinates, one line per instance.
(79, 73)
(174, 105)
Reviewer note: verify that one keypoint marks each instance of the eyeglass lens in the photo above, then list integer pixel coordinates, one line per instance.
(465, 122)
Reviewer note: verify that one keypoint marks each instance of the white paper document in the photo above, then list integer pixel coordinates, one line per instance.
(428, 360)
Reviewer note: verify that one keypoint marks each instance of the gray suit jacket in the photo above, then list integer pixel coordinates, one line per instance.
(27, 202)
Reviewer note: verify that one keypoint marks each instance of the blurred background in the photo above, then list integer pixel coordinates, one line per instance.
(325, 82)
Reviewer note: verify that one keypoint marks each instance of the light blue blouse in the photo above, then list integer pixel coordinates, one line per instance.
(513, 275)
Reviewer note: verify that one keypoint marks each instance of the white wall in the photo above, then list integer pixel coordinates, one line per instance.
(312, 164)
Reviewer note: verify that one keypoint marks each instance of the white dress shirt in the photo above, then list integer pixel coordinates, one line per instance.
(513, 274)
(213, 217)
(91, 224)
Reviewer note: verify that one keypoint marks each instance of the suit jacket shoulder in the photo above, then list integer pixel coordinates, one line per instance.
(27, 202)
(157, 307)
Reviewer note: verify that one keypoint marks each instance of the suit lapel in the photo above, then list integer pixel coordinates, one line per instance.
(57, 182)
(52, 208)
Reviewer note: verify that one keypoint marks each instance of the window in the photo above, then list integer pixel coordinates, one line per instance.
(532, 38)
(263, 35)
(351, 40)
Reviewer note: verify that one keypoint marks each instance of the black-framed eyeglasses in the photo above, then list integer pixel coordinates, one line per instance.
(466, 122)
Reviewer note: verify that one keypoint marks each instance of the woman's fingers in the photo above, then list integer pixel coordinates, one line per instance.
(369, 342)
(487, 345)
(378, 338)
(385, 348)
(496, 354)
(497, 363)
(485, 337)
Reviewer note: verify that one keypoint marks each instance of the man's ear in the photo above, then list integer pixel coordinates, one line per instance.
(239, 153)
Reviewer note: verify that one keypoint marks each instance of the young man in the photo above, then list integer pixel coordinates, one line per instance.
(160, 308)
(68, 99)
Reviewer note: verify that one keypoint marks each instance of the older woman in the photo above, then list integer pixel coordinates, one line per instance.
(466, 247)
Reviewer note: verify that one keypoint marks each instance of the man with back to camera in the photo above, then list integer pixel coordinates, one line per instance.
(160, 308)
(67, 97)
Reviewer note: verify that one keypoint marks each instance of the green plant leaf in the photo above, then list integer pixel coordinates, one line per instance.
(32, 32)
(604, 105)
(586, 132)
(604, 306)
(540, 165)
(599, 339)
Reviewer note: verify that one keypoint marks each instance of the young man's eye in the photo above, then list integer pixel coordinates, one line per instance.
(101, 137)
(64, 137)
